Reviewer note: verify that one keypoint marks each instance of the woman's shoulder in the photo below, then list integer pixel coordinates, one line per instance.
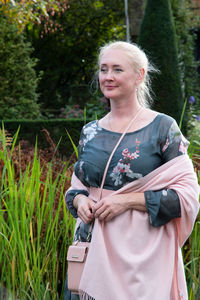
(162, 118)
(161, 124)
(90, 125)
(151, 117)
(167, 121)
(90, 129)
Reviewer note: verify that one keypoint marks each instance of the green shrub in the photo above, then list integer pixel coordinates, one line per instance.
(18, 80)
(185, 23)
(31, 130)
(157, 38)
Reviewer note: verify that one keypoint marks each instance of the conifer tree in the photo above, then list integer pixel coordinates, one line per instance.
(157, 37)
(18, 80)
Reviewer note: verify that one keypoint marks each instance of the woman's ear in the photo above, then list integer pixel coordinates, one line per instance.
(141, 74)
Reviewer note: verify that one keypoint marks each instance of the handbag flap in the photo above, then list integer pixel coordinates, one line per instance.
(77, 253)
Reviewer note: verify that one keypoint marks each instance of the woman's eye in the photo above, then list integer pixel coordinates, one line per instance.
(118, 70)
(103, 70)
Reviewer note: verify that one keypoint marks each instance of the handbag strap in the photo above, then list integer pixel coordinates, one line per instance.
(113, 151)
(107, 165)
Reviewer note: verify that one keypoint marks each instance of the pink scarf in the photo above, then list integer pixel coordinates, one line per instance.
(129, 259)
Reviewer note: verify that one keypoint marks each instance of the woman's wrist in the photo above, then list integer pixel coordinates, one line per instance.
(136, 201)
(76, 200)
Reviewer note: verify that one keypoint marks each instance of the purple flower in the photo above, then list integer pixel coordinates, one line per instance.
(104, 100)
(191, 99)
(197, 118)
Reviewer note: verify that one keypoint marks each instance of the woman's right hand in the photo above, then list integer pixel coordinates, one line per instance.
(84, 206)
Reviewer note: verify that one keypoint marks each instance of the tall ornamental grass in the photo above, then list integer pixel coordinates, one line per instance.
(191, 254)
(191, 249)
(34, 234)
(36, 229)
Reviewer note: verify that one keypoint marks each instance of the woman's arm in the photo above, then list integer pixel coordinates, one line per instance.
(162, 206)
(114, 205)
(77, 191)
(84, 206)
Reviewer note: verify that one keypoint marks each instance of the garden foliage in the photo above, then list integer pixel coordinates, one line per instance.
(158, 39)
(35, 228)
(31, 130)
(68, 58)
(185, 24)
(25, 13)
(18, 80)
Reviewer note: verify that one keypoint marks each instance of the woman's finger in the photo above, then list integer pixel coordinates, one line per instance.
(89, 213)
(99, 211)
(109, 217)
(85, 214)
(104, 215)
(96, 206)
(84, 218)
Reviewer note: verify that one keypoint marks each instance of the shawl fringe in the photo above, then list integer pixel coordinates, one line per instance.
(85, 296)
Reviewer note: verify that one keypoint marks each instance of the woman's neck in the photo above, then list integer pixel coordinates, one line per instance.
(123, 110)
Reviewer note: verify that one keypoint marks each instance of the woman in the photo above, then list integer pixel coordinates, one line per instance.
(150, 196)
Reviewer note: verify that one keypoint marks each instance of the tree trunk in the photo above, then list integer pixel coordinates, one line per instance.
(136, 12)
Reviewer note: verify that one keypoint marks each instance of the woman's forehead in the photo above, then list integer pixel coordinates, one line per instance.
(115, 57)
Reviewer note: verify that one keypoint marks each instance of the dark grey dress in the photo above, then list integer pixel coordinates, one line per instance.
(139, 153)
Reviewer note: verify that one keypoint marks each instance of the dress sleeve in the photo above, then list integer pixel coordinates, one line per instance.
(77, 187)
(164, 205)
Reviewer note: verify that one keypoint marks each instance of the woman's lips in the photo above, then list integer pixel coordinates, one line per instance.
(110, 86)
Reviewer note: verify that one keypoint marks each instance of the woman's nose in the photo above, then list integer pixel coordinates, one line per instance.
(109, 74)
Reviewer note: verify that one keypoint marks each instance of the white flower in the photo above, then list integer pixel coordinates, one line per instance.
(134, 155)
(89, 132)
(116, 177)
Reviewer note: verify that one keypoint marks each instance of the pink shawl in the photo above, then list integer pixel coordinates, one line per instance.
(131, 259)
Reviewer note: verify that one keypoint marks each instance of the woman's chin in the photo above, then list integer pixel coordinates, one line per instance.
(111, 95)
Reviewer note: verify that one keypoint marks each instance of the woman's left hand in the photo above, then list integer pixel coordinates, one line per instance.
(110, 207)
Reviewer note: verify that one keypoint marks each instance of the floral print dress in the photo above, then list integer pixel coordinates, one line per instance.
(138, 154)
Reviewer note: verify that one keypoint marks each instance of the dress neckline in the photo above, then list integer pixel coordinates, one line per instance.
(130, 132)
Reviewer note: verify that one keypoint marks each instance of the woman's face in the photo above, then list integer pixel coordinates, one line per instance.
(117, 77)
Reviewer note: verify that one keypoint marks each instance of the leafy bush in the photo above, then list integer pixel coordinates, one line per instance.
(95, 109)
(39, 129)
(157, 37)
(68, 58)
(185, 23)
(18, 80)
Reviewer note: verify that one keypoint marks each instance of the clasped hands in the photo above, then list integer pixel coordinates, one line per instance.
(106, 209)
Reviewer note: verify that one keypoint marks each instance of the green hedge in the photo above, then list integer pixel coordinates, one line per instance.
(32, 130)
(158, 38)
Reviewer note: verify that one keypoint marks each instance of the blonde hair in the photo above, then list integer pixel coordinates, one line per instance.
(139, 61)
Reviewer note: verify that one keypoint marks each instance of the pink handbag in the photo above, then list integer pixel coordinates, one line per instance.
(76, 257)
(78, 251)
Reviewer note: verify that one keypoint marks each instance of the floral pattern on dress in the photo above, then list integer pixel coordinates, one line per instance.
(175, 135)
(89, 132)
(123, 166)
(183, 147)
(81, 173)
